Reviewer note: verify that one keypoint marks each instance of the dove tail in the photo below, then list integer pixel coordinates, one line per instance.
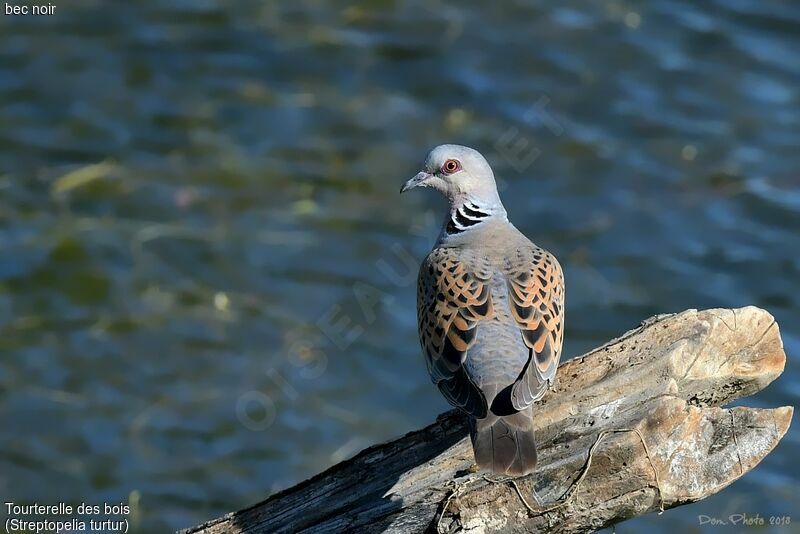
(505, 444)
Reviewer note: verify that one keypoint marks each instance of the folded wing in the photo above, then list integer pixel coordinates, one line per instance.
(536, 299)
(452, 297)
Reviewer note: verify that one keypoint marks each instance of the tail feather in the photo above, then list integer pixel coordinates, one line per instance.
(505, 444)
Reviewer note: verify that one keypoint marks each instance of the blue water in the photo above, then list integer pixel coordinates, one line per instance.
(163, 316)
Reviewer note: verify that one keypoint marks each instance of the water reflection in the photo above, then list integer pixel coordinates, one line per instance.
(245, 160)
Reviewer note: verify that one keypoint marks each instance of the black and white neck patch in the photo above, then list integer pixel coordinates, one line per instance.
(465, 216)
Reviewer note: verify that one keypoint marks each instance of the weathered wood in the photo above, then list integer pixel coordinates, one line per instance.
(647, 405)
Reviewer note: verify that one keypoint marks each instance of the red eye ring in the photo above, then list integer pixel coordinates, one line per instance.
(450, 166)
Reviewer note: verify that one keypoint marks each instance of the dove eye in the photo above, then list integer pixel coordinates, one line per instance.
(450, 166)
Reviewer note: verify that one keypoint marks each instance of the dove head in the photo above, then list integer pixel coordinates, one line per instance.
(460, 173)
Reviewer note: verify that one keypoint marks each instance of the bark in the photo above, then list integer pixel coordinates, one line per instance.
(632, 427)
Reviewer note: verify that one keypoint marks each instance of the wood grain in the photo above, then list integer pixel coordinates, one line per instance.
(668, 379)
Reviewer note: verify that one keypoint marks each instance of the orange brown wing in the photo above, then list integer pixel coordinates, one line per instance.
(452, 297)
(536, 290)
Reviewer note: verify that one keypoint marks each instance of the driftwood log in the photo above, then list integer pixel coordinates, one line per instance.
(632, 427)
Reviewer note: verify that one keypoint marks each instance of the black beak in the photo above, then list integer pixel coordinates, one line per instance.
(419, 179)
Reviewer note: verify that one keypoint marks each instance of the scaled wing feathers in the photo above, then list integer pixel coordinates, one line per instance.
(451, 299)
(536, 299)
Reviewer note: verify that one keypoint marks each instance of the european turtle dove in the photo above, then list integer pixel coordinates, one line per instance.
(490, 310)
